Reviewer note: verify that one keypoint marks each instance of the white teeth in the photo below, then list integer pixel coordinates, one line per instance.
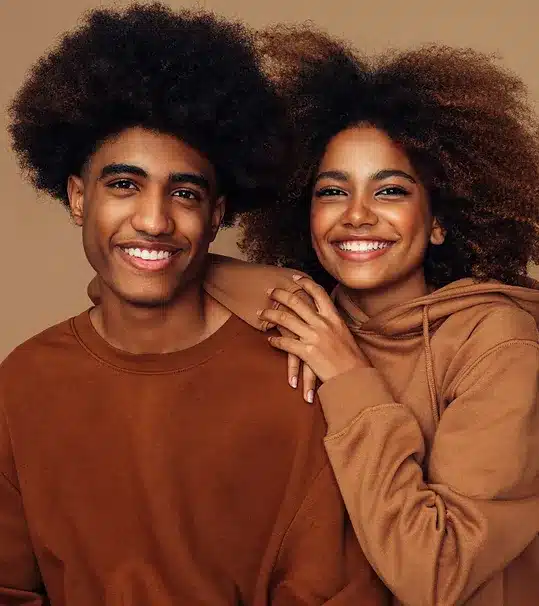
(149, 255)
(363, 245)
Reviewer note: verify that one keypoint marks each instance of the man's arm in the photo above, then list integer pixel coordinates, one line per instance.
(320, 560)
(20, 580)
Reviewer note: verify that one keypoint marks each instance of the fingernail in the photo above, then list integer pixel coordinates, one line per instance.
(310, 396)
(269, 291)
(258, 312)
(296, 277)
(294, 382)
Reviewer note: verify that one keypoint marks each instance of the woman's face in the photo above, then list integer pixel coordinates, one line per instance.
(370, 216)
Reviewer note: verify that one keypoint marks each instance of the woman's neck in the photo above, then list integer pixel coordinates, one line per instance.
(374, 301)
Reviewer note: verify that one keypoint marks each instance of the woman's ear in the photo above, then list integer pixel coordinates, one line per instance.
(437, 233)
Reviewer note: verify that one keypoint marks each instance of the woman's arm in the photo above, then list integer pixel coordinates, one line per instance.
(434, 541)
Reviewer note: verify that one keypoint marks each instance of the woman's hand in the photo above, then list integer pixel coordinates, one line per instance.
(323, 341)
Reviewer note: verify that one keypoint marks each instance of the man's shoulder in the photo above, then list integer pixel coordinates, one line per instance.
(259, 373)
(251, 355)
(252, 344)
(36, 349)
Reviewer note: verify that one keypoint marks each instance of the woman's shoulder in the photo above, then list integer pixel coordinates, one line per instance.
(500, 321)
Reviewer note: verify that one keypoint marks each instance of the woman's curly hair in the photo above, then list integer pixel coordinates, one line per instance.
(186, 73)
(464, 122)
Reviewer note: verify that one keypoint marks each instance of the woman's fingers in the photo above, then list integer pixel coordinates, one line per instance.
(284, 319)
(309, 383)
(294, 364)
(299, 303)
(288, 344)
(320, 297)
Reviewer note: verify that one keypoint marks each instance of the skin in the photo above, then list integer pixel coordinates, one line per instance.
(149, 190)
(366, 190)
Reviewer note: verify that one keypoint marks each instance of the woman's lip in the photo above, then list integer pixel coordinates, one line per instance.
(360, 256)
(146, 264)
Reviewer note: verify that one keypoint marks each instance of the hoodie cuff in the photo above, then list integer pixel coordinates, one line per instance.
(345, 396)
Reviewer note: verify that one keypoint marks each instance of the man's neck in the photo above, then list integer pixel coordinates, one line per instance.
(181, 324)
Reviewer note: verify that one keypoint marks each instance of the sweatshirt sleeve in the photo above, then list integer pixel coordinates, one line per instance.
(436, 530)
(320, 561)
(20, 580)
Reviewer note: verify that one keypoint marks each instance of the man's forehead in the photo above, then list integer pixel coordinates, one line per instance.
(150, 154)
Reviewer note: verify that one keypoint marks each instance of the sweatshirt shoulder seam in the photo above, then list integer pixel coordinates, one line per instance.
(10, 483)
(299, 508)
(362, 413)
(494, 349)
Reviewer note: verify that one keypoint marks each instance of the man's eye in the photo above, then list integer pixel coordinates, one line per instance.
(122, 184)
(187, 194)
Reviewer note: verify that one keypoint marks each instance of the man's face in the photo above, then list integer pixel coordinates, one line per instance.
(149, 209)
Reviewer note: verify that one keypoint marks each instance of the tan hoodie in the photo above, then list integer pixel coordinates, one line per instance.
(435, 448)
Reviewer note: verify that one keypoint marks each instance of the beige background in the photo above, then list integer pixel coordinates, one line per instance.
(44, 272)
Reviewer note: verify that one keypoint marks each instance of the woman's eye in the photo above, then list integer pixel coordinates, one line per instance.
(329, 191)
(392, 191)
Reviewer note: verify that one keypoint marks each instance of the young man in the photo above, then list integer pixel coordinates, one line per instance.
(149, 452)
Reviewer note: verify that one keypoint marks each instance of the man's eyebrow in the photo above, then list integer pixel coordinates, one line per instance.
(194, 178)
(386, 173)
(117, 169)
(174, 178)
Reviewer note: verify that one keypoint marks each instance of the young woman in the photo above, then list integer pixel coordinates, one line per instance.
(417, 194)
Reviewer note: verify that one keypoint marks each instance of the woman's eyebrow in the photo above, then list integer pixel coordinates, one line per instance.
(386, 173)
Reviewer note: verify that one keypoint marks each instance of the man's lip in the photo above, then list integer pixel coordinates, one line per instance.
(149, 246)
(147, 265)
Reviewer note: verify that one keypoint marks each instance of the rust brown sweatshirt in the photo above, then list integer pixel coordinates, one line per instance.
(436, 447)
(191, 478)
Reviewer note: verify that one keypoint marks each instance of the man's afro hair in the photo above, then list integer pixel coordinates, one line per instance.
(188, 73)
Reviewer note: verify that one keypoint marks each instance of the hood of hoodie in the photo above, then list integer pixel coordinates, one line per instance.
(409, 318)
(392, 335)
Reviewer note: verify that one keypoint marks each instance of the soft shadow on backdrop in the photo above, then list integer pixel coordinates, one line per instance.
(44, 272)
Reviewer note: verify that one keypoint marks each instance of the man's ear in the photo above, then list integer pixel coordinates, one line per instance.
(217, 215)
(75, 193)
(437, 233)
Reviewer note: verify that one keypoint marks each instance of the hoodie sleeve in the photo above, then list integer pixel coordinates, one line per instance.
(242, 287)
(238, 285)
(437, 528)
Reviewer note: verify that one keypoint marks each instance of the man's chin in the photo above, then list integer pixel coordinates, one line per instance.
(148, 301)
